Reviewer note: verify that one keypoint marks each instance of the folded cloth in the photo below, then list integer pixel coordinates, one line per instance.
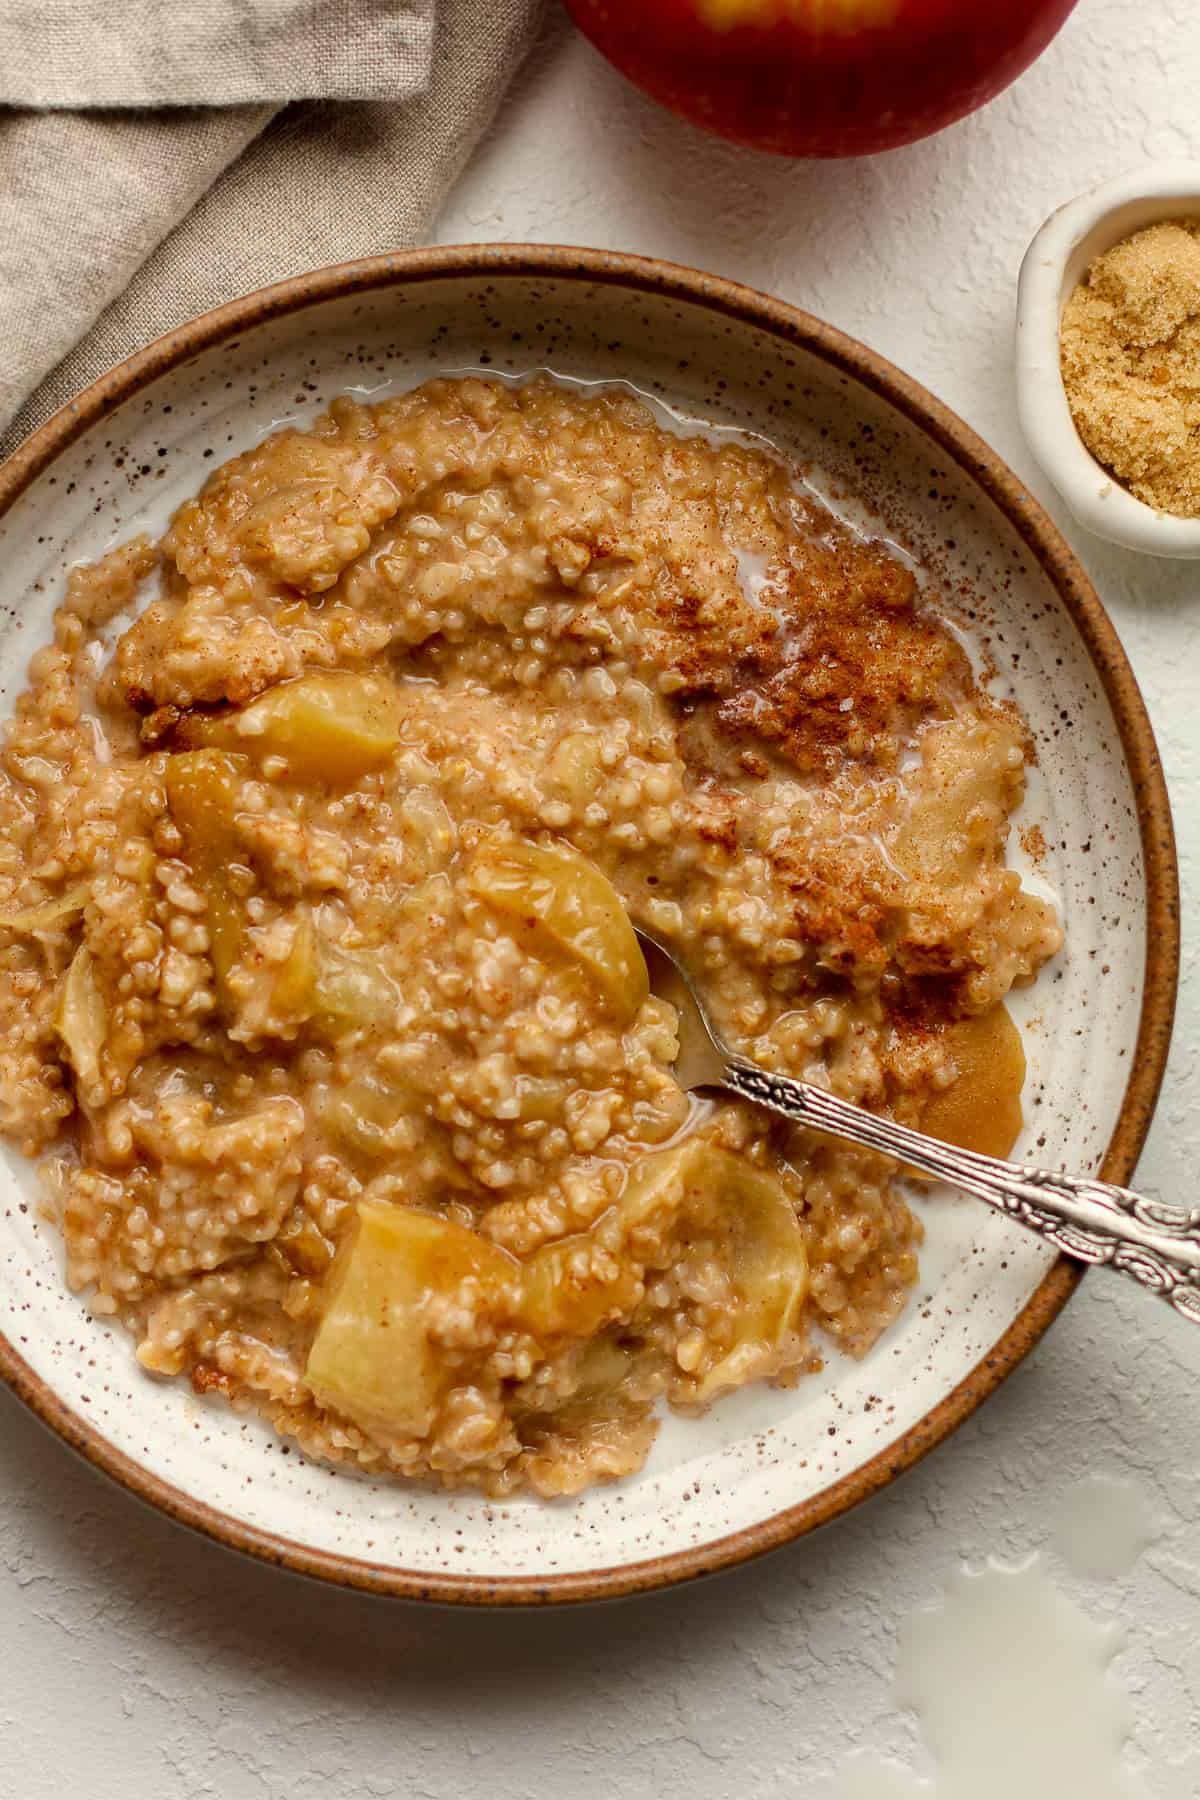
(120, 220)
(127, 53)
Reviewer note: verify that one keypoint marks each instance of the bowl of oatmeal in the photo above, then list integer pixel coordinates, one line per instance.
(384, 648)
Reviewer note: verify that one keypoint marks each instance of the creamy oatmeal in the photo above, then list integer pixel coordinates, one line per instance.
(319, 997)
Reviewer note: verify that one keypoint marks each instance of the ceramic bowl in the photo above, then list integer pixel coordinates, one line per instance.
(1054, 265)
(762, 1466)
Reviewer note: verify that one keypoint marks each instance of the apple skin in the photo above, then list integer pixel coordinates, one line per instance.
(764, 72)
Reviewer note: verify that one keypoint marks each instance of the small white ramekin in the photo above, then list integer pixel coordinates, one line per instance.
(1054, 263)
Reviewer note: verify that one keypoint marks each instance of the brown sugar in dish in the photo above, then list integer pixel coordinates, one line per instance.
(1130, 348)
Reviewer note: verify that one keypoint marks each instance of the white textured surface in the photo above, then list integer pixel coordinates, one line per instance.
(138, 1661)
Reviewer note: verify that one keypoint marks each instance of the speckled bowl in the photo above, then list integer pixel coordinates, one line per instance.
(763, 1466)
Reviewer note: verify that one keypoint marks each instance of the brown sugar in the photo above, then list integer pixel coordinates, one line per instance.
(1130, 346)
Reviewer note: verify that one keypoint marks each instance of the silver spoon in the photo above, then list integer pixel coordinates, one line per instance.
(1157, 1245)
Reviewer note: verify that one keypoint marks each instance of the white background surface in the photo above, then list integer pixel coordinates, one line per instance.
(140, 1662)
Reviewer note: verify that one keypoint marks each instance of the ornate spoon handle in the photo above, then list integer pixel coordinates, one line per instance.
(1157, 1245)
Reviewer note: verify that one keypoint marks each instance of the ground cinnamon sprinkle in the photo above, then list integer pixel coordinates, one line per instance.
(1130, 346)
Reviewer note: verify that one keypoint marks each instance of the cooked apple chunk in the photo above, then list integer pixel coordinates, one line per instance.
(580, 1284)
(82, 1018)
(981, 1109)
(565, 901)
(372, 1358)
(50, 915)
(330, 728)
(202, 791)
(751, 1215)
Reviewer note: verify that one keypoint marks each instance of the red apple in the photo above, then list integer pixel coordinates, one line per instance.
(821, 77)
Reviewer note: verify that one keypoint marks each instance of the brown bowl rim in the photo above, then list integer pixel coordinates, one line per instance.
(730, 300)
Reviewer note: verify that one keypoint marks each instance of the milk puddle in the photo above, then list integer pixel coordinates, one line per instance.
(1011, 1682)
(1101, 1526)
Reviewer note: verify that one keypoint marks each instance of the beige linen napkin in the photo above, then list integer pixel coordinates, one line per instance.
(124, 212)
(127, 53)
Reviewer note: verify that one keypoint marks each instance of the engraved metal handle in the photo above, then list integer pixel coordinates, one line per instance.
(1157, 1245)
